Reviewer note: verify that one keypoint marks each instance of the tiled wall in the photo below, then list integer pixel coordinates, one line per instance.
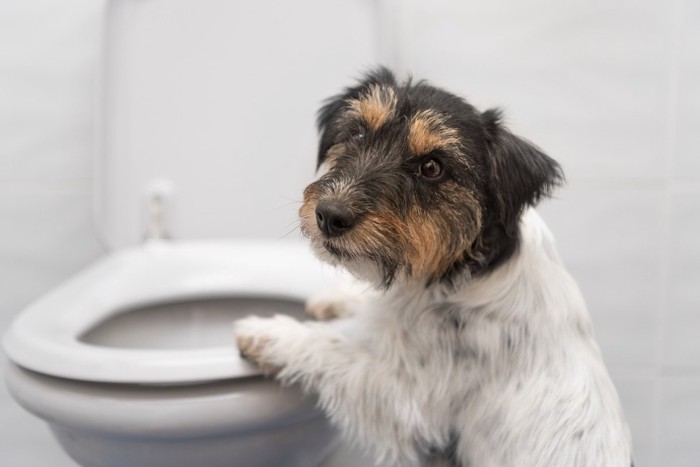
(611, 89)
(48, 53)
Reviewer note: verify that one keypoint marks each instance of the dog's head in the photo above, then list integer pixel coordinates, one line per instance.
(415, 184)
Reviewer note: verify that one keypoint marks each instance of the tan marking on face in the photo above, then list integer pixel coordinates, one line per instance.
(375, 107)
(433, 246)
(427, 132)
(428, 253)
(307, 212)
(379, 229)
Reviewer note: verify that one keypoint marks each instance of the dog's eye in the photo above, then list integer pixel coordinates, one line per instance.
(358, 136)
(431, 169)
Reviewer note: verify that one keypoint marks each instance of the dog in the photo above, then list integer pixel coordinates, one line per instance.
(464, 342)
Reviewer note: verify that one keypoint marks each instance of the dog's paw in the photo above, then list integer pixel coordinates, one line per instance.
(338, 301)
(259, 340)
(250, 337)
(325, 308)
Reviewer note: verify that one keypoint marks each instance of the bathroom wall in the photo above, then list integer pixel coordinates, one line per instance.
(611, 89)
(48, 53)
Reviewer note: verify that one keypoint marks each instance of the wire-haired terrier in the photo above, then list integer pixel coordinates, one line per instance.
(471, 345)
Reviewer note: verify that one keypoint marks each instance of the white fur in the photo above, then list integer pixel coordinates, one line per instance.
(504, 366)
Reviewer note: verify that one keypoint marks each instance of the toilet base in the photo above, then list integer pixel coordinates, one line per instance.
(248, 422)
(288, 446)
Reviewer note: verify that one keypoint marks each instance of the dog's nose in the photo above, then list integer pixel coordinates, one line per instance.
(333, 219)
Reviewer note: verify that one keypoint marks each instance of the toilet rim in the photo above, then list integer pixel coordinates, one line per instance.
(46, 341)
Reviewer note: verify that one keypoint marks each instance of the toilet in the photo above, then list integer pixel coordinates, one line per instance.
(133, 363)
(205, 132)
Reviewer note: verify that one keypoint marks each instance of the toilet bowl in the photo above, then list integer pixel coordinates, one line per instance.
(199, 135)
(133, 361)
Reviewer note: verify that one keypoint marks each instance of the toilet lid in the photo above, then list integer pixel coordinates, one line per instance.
(46, 337)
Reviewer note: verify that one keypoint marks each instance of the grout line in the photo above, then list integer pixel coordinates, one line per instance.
(617, 182)
(680, 371)
(664, 265)
(38, 186)
(99, 135)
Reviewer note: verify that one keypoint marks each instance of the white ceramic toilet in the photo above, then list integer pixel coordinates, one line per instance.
(132, 362)
(205, 130)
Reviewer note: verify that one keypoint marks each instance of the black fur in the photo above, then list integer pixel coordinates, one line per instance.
(522, 172)
(504, 172)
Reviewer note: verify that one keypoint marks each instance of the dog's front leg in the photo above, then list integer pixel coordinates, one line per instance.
(364, 395)
(280, 342)
(341, 300)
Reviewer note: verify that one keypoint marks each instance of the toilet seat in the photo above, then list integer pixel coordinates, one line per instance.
(45, 337)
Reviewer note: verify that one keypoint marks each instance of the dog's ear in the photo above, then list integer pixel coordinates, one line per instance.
(326, 122)
(334, 106)
(521, 174)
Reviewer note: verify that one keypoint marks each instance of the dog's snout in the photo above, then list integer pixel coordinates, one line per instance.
(333, 218)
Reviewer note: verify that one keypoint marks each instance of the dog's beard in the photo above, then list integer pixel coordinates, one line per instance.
(367, 266)
(337, 251)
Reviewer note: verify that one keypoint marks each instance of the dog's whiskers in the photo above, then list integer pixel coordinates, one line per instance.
(295, 228)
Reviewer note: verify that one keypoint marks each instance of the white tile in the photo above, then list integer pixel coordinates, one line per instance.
(680, 421)
(637, 397)
(45, 236)
(610, 240)
(587, 81)
(687, 163)
(682, 329)
(48, 55)
(221, 100)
